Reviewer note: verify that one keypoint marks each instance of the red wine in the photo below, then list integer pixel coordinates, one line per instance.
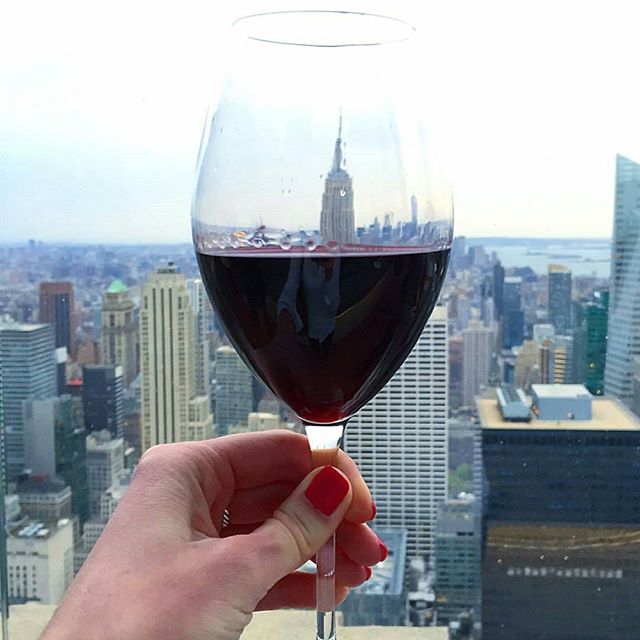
(325, 333)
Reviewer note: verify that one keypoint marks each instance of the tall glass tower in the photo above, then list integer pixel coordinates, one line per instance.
(28, 373)
(624, 303)
(560, 299)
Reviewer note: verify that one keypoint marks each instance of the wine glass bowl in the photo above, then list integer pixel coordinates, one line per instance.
(317, 150)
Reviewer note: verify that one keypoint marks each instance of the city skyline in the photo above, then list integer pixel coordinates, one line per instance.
(511, 318)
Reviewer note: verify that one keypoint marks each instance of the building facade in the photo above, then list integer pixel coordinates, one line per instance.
(203, 319)
(562, 522)
(596, 326)
(234, 390)
(103, 398)
(513, 315)
(478, 347)
(105, 465)
(28, 373)
(40, 562)
(56, 308)
(624, 301)
(400, 443)
(55, 444)
(559, 299)
(457, 556)
(118, 331)
(167, 351)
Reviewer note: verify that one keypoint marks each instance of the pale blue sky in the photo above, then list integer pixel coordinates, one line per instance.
(102, 107)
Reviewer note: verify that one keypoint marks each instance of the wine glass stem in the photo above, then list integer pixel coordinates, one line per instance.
(326, 590)
(324, 441)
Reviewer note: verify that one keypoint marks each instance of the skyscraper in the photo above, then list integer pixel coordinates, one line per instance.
(337, 220)
(624, 304)
(203, 319)
(56, 308)
(399, 440)
(596, 323)
(498, 289)
(513, 316)
(234, 390)
(561, 554)
(28, 372)
(171, 411)
(55, 445)
(478, 351)
(103, 398)
(118, 333)
(559, 305)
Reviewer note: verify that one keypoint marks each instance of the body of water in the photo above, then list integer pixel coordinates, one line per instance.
(584, 258)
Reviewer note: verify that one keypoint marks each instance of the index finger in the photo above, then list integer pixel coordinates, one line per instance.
(277, 456)
(265, 457)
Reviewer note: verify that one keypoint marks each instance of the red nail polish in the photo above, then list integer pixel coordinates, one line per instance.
(368, 572)
(384, 552)
(327, 490)
(373, 510)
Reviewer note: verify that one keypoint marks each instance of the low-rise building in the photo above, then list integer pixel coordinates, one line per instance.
(382, 600)
(40, 562)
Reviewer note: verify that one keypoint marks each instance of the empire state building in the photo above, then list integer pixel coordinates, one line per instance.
(337, 218)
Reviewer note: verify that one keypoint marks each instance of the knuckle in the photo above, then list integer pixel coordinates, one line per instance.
(154, 461)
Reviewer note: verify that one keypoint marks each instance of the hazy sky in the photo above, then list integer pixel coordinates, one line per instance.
(102, 104)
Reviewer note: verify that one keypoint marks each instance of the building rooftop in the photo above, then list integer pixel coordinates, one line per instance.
(456, 515)
(41, 484)
(37, 530)
(102, 441)
(561, 391)
(608, 414)
(225, 349)
(20, 326)
(558, 268)
(117, 286)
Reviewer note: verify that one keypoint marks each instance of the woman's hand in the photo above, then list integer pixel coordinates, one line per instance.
(167, 568)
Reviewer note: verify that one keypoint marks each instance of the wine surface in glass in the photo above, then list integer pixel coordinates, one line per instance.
(324, 332)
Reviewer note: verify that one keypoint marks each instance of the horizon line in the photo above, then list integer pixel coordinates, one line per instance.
(150, 243)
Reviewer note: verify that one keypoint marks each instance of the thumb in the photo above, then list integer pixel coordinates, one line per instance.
(299, 527)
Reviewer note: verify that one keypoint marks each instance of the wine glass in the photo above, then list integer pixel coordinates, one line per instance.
(321, 221)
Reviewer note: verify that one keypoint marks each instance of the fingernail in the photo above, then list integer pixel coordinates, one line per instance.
(368, 571)
(373, 510)
(384, 552)
(327, 490)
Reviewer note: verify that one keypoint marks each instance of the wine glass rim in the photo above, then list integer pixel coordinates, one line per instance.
(405, 30)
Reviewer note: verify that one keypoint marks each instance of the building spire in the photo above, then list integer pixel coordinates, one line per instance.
(337, 154)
